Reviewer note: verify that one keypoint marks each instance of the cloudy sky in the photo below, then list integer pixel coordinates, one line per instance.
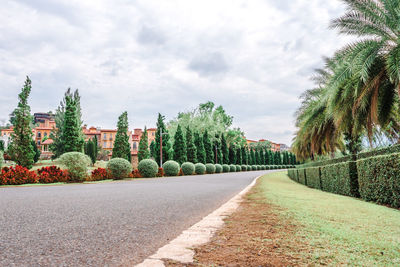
(253, 57)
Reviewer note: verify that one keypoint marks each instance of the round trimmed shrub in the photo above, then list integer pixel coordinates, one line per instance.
(232, 168)
(267, 167)
(248, 168)
(77, 165)
(119, 168)
(148, 168)
(225, 168)
(244, 168)
(218, 168)
(171, 168)
(262, 167)
(238, 168)
(187, 168)
(254, 167)
(200, 168)
(210, 168)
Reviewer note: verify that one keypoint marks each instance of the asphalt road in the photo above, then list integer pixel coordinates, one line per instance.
(108, 224)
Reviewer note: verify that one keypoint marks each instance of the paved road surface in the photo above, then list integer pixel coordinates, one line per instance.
(113, 224)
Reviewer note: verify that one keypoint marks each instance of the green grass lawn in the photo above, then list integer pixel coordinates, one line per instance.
(340, 230)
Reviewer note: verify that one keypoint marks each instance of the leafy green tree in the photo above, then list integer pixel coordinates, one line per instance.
(20, 148)
(201, 152)
(71, 139)
(143, 152)
(225, 150)
(122, 148)
(208, 147)
(179, 147)
(2, 146)
(191, 150)
(166, 145)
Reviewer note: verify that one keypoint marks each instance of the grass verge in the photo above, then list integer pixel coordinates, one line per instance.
(283, 223)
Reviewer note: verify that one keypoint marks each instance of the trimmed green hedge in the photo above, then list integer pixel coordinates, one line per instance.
(171, 168)
(210, 168)
(119, 168)
(218, 168)
(148, 168)
(232, 168)
(378, 152)
(188, 168)
(200, 168)
(313, 177)
(302, 176)
(340, 178)
(225, 168)
(379, 179)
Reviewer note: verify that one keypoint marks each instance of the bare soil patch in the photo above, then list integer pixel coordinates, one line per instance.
(255, 235)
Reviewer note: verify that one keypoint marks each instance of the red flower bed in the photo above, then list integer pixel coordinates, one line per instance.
(52, 174)
(136, 174)
(160, 172)
(100, 174)
(17, 175)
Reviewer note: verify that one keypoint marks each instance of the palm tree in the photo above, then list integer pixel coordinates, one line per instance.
(367, 72)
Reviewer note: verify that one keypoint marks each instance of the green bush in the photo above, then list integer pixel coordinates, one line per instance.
(119, 168)
(200, 168)
(148, 168)
(238, 168)
(77, 165)
(377, 152)
(1, 159)
(302, 176)
(210, 168)
(340, 178)
(253, 167)
(248, 168)
(244, 168)
(171, 168)
(225, 168)
(313, 175)
(379, 179)
(232, 168)
(218, 168)
(188, 168)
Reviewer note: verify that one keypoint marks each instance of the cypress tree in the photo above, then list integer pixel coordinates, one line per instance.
(257, 155)
(239, 156)
(96, 147)
(217, 150)
(90, 150)
(71, 138)
(248, 157)
(232, 155)
(253, 156)
(244, 155)
(277, 157)
(225, 150)
(36, 150)
(166, 145)
(143, 152)
(2, 146)
(267, 159)
(152, 149)
(201, 153)
(179, 146)
(262, 156)
(208, 148)
(191, 150)
(122, 148)
(21, 149)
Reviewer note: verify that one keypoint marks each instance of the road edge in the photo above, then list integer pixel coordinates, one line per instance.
(180, 249)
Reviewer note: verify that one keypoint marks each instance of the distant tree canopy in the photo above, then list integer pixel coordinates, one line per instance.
(208, 117)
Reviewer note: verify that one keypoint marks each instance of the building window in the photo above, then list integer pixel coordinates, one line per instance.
(38, 143)
(134, 145)
(45, 134)
(104, 136)
(105, 144)
(39, 135)
(152, 133)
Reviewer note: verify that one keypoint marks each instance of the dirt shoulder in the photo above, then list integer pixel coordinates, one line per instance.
(255, 235)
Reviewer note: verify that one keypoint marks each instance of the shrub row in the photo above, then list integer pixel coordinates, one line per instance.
(374, 179)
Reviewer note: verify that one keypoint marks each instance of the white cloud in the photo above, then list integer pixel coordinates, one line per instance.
(252, 57)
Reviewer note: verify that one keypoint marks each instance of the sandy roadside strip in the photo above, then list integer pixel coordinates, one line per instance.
(180, 249)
